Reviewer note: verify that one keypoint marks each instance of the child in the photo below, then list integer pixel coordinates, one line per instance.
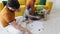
(30, 11)
(40, 11)
(7, 18)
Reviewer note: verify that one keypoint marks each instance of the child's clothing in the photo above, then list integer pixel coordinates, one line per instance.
(6, 16)
(30, 11)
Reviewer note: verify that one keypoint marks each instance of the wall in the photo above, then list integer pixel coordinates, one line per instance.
(56, 4)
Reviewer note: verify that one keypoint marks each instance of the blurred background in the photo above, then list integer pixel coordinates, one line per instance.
(52, 25)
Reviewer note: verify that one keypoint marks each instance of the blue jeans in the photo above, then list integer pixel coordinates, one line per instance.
(30, 11)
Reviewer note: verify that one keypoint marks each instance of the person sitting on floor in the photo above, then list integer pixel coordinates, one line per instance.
(30, 11)
(7, 18)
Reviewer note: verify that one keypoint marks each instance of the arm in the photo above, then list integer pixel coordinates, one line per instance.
(27, 12)
(30, 16)
(14, 24)
(19, 27)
